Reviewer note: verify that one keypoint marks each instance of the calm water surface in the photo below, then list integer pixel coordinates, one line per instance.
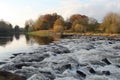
(19, 44)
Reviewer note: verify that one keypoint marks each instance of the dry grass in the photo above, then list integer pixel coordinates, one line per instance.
(42, 33)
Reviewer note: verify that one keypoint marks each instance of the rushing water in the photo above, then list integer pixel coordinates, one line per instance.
(20, 43)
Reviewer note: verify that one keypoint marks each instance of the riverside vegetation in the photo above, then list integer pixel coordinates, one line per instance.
(77, 24)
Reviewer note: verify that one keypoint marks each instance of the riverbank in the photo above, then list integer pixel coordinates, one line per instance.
(42, 33)
(93, 34)
(52, 33)
(77, 58)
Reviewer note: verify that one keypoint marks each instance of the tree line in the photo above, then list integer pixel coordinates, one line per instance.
(7, 28)
(76, 23)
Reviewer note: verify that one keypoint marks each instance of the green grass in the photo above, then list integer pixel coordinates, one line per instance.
(41, 33)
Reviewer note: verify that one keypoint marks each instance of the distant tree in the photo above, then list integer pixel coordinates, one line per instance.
(79, 28)
(59, 21)
(73, 25)
(17, 29)
(28, 25)
(59, 28)
(27, 28)
(115, 28)
(93, 25)
(41, 25)
(5, 27)
(59, 25)
(10, 27)
(76, 17)
(68, 24)
(111, 23)
(46, 21)
(83, 22)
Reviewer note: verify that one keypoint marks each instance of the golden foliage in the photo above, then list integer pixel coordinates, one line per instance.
(111, 23)
(59, 25)
(79, 28)
(58, 28)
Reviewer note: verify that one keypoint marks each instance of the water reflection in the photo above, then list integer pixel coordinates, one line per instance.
(17, 36)
(5, 39)
(27, 37)
(43, 40)
(8, 38)
(21, 44)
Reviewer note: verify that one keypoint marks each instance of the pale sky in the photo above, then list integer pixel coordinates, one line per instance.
(18, 11)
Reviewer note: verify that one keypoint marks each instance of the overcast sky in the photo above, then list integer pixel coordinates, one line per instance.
(18, 11)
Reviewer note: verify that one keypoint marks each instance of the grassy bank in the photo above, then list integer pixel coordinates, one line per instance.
(92, 34)
(42, 33)
(52, 33)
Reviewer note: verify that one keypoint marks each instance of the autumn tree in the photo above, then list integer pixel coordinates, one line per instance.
(41, 25)
(59, 25)
(82, 21)
(56, 22)
(88, 24)
(111, 23)
(46, 21)
(76, 17)
(79, 28)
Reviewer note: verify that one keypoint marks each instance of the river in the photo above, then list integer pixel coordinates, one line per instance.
(20, 44)
(74, 58)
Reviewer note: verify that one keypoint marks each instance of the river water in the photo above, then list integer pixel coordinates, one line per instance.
(19, 44)
(74, 58)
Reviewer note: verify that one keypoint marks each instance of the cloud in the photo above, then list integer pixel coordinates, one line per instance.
(92, 8)
(17, 14)
(100, 8)
(66, 8)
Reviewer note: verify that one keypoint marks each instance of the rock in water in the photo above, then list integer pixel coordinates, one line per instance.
(48, 75)
(17, 54)
(81, 73)
(91, 70)
(118, 66)
(110, 42)
(58, 49)
(2, 63)
(67, 66)
(106, 72)
(106, 61)
(19, 66)
(38, 77)
(9, 76)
